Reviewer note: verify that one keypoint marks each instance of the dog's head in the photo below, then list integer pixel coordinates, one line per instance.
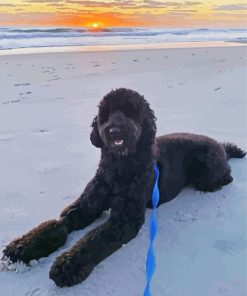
(124, 124)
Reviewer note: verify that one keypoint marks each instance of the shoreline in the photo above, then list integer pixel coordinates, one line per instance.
(119, 47)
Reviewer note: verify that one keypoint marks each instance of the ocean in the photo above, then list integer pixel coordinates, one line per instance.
(12, 37)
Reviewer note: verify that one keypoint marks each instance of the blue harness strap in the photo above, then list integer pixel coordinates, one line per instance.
(150, 263)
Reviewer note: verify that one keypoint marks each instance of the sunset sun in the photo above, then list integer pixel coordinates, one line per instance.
(95, 26)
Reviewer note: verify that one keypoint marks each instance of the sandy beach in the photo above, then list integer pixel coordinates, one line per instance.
(47, 103)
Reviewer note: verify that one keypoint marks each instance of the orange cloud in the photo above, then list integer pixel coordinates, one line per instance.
(126, 13)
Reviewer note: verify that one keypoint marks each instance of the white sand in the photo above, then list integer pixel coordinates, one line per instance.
(47, 102)
(90, 48)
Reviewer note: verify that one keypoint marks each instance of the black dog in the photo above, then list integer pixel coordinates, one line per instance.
(125, 131)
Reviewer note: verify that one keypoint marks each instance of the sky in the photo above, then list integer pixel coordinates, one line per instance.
(124, 13)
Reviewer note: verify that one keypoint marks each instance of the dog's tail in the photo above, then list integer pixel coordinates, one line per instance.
(233, 151)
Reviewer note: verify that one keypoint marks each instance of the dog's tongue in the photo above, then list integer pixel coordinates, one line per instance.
(118, 142)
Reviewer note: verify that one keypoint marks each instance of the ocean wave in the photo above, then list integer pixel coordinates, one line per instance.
(12, 37)
(65, 30)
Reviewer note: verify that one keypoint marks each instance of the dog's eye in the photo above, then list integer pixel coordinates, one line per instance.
(103, 117)
(130, 112)
(127, 110)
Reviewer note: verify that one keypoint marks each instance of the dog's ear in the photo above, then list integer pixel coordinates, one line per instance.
(95, 136)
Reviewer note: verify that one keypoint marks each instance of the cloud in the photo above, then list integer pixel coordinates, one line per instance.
(45, 1)
(127, 4)
(119, 4)
(192, 3)
(153, 3)
(183, 11)
(7, 5)
(223, 14)
(158, 4)
(60, 4)
(87, 3)
(232, 7)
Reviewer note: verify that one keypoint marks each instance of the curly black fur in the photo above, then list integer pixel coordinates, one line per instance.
(125, 131)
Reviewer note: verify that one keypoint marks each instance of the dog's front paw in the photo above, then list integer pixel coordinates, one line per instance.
(14, 251)
(37, 243)
(69, 270)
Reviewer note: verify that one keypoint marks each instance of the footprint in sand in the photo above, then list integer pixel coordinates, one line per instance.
(35, 292)
(225, 246)
(40, 131)
(69, 197)
(219, 60)
(9, 102)
(218, 88)
(27, 93)
(22, 84)
(46, 168)
(49, 80)
(6, 137)
(184, 217)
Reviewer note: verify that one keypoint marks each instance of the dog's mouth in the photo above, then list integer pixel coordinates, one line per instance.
(119, 147)
(118, 143)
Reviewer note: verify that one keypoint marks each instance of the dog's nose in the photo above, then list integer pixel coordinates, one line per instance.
(114, 132)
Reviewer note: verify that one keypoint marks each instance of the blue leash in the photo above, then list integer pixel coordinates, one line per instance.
(150, 263)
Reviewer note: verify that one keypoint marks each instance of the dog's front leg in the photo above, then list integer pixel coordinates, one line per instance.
(39, 242)
(50, 235)
(76, 264)
(89, 206)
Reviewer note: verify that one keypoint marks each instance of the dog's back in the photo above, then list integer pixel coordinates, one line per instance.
(193, 159)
